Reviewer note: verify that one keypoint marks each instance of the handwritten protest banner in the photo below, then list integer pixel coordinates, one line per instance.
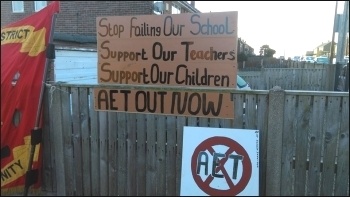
(189, 50)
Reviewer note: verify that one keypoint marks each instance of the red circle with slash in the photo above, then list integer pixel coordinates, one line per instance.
(234, 189)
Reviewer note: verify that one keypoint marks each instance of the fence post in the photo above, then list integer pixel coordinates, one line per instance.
(274, 141)
(50, 76)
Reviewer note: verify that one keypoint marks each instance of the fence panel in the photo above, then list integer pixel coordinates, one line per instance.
(311, 77)
(118, 153)
(254, 78)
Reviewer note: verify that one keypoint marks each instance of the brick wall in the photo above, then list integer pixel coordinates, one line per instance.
(79, 17)
(83, 20)
(8, 17)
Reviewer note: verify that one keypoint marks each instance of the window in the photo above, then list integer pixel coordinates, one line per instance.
(175, 9)
(158, 7)
(38, 5)
(167, 6)
(17, 6)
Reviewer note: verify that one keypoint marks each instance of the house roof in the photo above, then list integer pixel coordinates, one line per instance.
(324, 44)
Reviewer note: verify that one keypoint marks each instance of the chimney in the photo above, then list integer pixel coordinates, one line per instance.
(192, 3)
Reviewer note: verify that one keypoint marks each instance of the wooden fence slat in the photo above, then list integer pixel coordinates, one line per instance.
(342, 174)
(279, 81)
(305, 80)
(85, 136)
(160, 155)
(315, 80)
(297, 79)
(103, 131)
(268, 79)
(112, 154)
(214, 122)
(122, 157)
(316, 141)
(192, 121)
(151, 157)
(290, 83)
(77, 142)
(58, 145)
(94, 143)
(302, 121)
(67, 140)
(203, 122)
(262, 127)
(250, 112)
(238, 110)
(131, 154)
(288, 149)
(170, 156)
(141, 154)
(226, 123)
(180, 123)
(319, 82)
(331, 129)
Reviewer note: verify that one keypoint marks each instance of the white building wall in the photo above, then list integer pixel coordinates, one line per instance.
(76, 66)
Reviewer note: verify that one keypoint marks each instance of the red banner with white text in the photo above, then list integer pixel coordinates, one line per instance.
(23, 60)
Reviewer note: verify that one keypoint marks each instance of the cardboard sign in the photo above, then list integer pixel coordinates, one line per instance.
(200, 104)
(186, 50)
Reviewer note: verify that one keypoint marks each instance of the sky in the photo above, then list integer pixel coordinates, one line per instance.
(289, 27)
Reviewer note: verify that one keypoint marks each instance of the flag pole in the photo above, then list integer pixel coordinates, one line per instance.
(36, 134)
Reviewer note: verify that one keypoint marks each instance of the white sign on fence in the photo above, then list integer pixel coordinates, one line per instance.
(220, 162)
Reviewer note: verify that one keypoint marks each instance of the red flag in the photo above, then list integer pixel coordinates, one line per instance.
(23, 60)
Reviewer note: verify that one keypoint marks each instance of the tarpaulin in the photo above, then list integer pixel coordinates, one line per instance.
(23, 59)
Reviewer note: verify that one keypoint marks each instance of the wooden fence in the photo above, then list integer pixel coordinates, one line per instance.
(304, 143)
(297, 77)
